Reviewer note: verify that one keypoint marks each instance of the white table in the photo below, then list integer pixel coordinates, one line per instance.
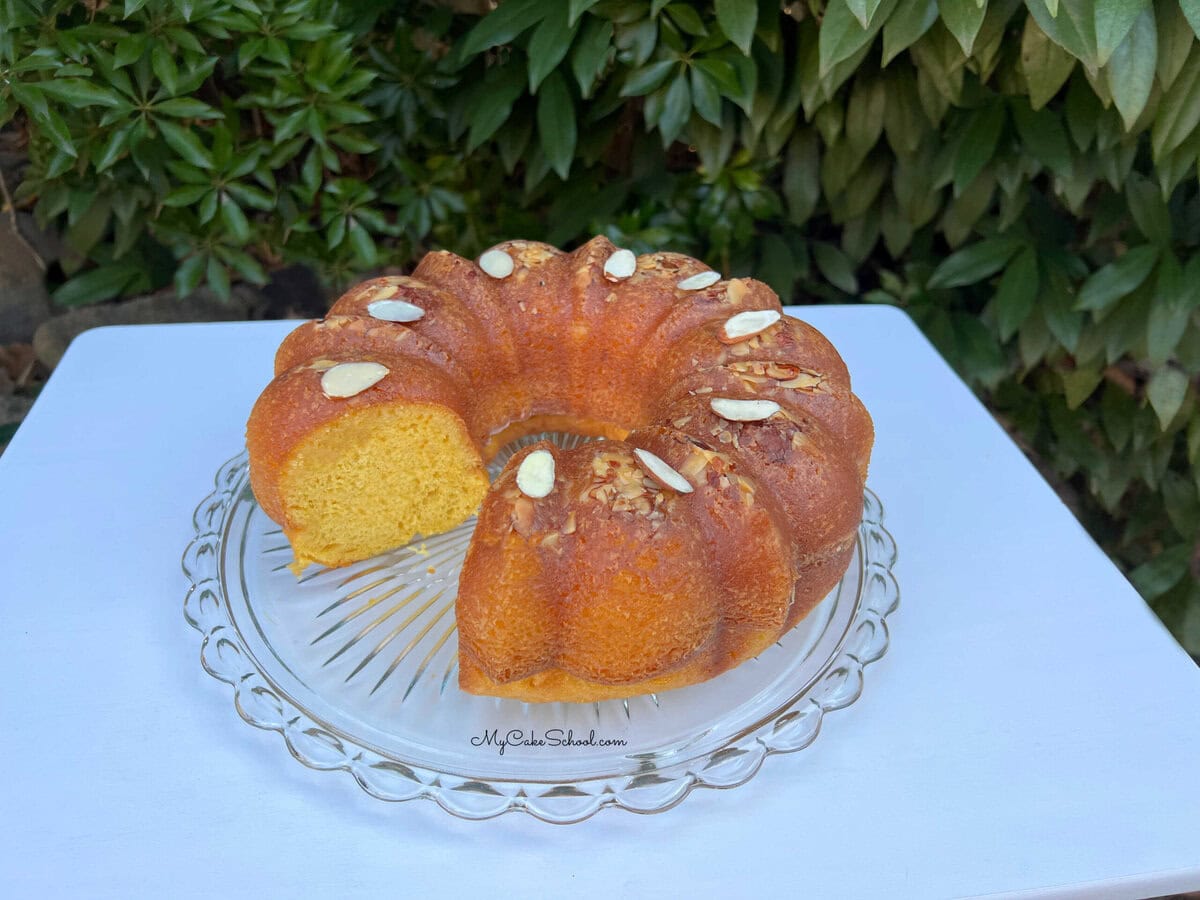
(1031, 728)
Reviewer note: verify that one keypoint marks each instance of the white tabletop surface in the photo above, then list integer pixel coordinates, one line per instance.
(1031, 729)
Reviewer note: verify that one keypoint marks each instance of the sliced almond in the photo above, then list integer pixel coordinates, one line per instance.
(780, 371)
(804, 381)
(699, 282)
(620, 265)
(747, 324)
(662, 472)
(394, 311)
(522, 515)
(535, 475)
(693, 465)
(381, 291)
(736, 291)
(348, 379)
(743, 410)
(497, 263)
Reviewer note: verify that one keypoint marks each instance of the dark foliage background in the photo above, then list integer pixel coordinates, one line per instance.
(1020, 177)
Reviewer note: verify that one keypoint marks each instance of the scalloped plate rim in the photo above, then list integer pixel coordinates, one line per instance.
(750, 738)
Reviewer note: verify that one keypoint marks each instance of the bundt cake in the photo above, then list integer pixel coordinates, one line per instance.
(721, 507)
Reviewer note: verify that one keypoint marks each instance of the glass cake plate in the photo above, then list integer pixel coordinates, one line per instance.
(357, 668)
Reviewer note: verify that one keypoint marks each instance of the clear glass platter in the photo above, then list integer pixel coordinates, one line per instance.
(356, 668)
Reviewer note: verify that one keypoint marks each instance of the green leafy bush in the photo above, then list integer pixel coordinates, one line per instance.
(1019, 177)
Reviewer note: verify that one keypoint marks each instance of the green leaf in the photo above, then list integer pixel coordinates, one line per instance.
(549, 44)
(164, 67)
(964, 210)
(1165, 391)
(57, 131)
(777, 265)
(129, 49)
(903, 119)
(1016, 294)
(842, 35)
(1043, 135)
(973, 263)
(78, 92)
(91, 224)
(1079, 384)
(722, 73)
(1034, 341)
(1148, 208)
(556, 124)
(940, 64)
(1131, 69)
(1065, 324)
(188, 275)
(1083, 111)
(512, 140)
(503, 24)
(637, 41)
(234, 220)
(355, 143)
(207, 210)
(801, 176)
(687, 19)
(1157, 576)
(1179, 110)
(218, 278)
(1045, 65)
(251, 196)
(835, 267)
(994, 35)
(1071, 26)
(863, 10)
(185, 143)
(1107, 285)
(290, 125)
(245, 265)
(186, 195)
(186, 108)
(96, 285)
(576, 8)
(493, 103)
(905, 27)
(361, 243)
(1114, 19)
(113, 148)
(1170, 311)
(705, 96)
(648, 78)
(676, 109)
(1175, 39)
(963, 18)
(737, 19)
(865, 114)
(590, 56)
(978, 143)
(1191, 10)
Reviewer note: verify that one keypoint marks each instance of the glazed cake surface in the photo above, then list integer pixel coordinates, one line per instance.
(721, 507)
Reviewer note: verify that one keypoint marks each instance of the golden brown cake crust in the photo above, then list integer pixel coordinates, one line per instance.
(293, 407)
(629, 574)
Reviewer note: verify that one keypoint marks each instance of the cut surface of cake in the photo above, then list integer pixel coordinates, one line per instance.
(721, 507)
